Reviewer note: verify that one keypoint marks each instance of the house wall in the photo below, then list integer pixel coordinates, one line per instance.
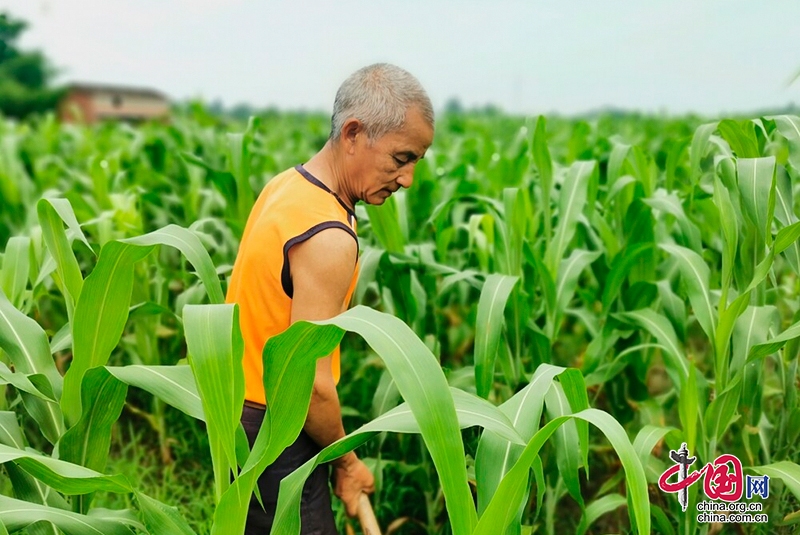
(108, 104)
(82, 105)
(76, 107)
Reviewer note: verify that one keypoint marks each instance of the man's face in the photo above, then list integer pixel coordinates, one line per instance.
(381, 167)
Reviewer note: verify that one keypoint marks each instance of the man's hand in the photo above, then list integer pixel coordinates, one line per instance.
(351, 477)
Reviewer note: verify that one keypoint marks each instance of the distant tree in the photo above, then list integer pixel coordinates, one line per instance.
(24, 76)
(453, 106)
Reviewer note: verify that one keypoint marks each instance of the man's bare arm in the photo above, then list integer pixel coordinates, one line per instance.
(322, 269)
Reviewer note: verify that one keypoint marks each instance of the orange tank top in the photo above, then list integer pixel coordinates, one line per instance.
(291, 208)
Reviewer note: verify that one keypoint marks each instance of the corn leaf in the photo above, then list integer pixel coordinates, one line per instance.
(567, 280)
(26, 344)
(496, 455)
(757, 188)
(598, 508)
(175, 385)
(100, 317)
(720, 412)
(15, 270)
(619, 270)
(699, 148)
(385, 223)
(696, 275)
(489, 327)
(64, 477)
(215, 349)
(289, 368)
(502, 508)
(769, 347)
(572, 201)
(786, 471)
(88, 441)
(16, 515)
(789, 127)
(161, 519)
(568, 456)
(541, 158)
(661, 328)
(189, 244)
(60, 248)
(25, 487)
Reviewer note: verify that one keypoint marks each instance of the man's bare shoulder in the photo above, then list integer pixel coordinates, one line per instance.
(327, 259)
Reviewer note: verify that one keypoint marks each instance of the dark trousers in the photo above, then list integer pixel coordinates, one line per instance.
(316, 516)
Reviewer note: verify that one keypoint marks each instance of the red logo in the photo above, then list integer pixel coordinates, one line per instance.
(723, 479)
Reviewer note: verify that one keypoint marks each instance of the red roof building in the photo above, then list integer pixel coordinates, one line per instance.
(90, 103)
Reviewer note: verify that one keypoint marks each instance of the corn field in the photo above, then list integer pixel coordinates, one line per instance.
(551, 308)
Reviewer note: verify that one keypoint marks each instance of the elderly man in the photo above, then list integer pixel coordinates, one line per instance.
(298, 260)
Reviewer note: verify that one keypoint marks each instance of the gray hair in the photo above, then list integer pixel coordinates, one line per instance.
(379, 96)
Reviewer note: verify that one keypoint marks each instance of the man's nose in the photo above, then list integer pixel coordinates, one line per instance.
(406, 178)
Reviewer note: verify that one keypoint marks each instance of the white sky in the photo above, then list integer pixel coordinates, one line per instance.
(567, 56)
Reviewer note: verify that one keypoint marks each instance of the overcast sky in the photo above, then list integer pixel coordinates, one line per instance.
(567, 56)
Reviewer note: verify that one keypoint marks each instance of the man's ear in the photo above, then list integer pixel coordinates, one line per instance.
(351, 130)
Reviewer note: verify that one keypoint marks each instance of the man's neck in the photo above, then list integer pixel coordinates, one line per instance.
(328, 169)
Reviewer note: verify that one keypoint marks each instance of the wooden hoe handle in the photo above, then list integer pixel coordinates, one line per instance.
(366, 516)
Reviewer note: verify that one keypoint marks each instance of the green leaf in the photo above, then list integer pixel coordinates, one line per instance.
(784, 213)
(471, 411)
(386, 395)
(59, 246)
(496, 455)
(25, 487)
(572, 201)
(16, 515)
(541, 158)
(23, 383)
(189, 244)
(568, 456)
(174, 385)
(786, 471)
(88, 441)
(661, 328)
(103, 309)
(574, 386)
(161, 519)
(502, 508)
(488, 328)
(689, 408)
(646, 440)
(385, 223)
(567, 280)
(757, 188)
(720, 412)
(64, 477)
(16, 268)
(26, 344)
(742, 139)
(239, 165)
(699, 148)
(789, 127)
(762, 350)
(289, 361)
(215, 350)
(423, 385)
(598, 508)
(695, 275)
(787, 237)
(619, 270)
(100, 317)
(730, 233)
